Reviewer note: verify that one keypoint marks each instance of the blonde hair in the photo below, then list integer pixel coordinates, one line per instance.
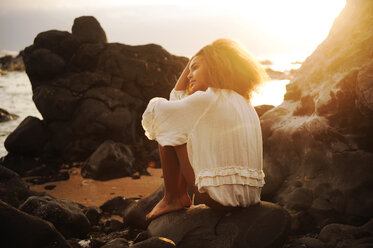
(231, 66)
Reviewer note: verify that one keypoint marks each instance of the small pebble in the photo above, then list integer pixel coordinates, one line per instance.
(50, 187)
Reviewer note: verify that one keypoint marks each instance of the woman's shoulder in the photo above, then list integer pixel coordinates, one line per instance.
(202, 96)
(226, 94)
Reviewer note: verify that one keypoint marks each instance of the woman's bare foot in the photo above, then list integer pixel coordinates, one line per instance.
(169, 205)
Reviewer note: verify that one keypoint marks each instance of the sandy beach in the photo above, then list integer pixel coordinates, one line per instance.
(91, 192)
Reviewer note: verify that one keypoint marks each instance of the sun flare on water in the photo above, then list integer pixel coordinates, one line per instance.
(290, 18)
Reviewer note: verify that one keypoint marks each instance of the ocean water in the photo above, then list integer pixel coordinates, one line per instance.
(16, 98)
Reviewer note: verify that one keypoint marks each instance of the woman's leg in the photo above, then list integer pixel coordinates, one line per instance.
(189, 176)
(175, 193)
(178, 174)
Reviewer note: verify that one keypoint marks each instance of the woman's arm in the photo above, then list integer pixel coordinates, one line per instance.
(182, 82)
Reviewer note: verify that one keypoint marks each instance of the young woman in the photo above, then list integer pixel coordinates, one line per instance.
(208, 133)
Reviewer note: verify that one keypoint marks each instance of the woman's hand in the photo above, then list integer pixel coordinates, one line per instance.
(183, 82)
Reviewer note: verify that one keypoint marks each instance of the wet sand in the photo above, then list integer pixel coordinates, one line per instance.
(90, 192)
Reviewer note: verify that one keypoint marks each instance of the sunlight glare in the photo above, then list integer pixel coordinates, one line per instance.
(290, 21)
(271, 93)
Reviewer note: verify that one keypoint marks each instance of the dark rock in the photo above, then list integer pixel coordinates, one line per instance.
(28, 138)
(61, 137)
(27, 166)
(136, 176)
(322, 133)
(311, 242)
(86, 57)
(50, 187)
(307, 106)
(110, 160)
(279, 75)
(299, 199)
(302, 222)
(93, 214)
(155, 242)
(364, 91)
(75, 243)
(116, 243)
(293, 92)
(116, 205)
(60, 176)
(340, 235)
(19, 229)
(306, 242)
(261, 109)
(134, 214)
(6, 116)
(89, 91)
(66, 216)
(51, 40)
(88, 30)
(43, 64)
(112, 226)
(10, 63)
(98, 238)
(133, 233)
(12, 189)
(262, 225)
(141, 237)
(89, 110)
(54, 104)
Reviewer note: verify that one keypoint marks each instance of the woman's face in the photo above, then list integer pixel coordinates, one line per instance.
(197, 74)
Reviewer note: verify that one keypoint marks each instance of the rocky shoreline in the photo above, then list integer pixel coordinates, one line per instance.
(10, 63)
(318, 148)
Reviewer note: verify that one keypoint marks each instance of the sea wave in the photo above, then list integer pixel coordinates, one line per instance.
(16, 98)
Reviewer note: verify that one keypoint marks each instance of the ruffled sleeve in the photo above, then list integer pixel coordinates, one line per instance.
(178, 94)
(170, 122)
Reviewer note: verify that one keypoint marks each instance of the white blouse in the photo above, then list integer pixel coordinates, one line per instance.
(223, 137)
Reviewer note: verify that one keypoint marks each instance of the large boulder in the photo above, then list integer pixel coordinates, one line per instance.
(262, 225)
(13, 190)
(19, 229)
(89, 91)
(318, 148)
(66, 216)
(28, 138)
(110, 160)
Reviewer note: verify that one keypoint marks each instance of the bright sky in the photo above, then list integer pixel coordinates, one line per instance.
(268, 28)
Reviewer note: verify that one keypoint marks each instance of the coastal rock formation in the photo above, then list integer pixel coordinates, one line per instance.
(13, 190)
(318, 144)
(10, 63)
(66, 216)
(89, 91)
(6, 116)
(262, 225)
(19, 229)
